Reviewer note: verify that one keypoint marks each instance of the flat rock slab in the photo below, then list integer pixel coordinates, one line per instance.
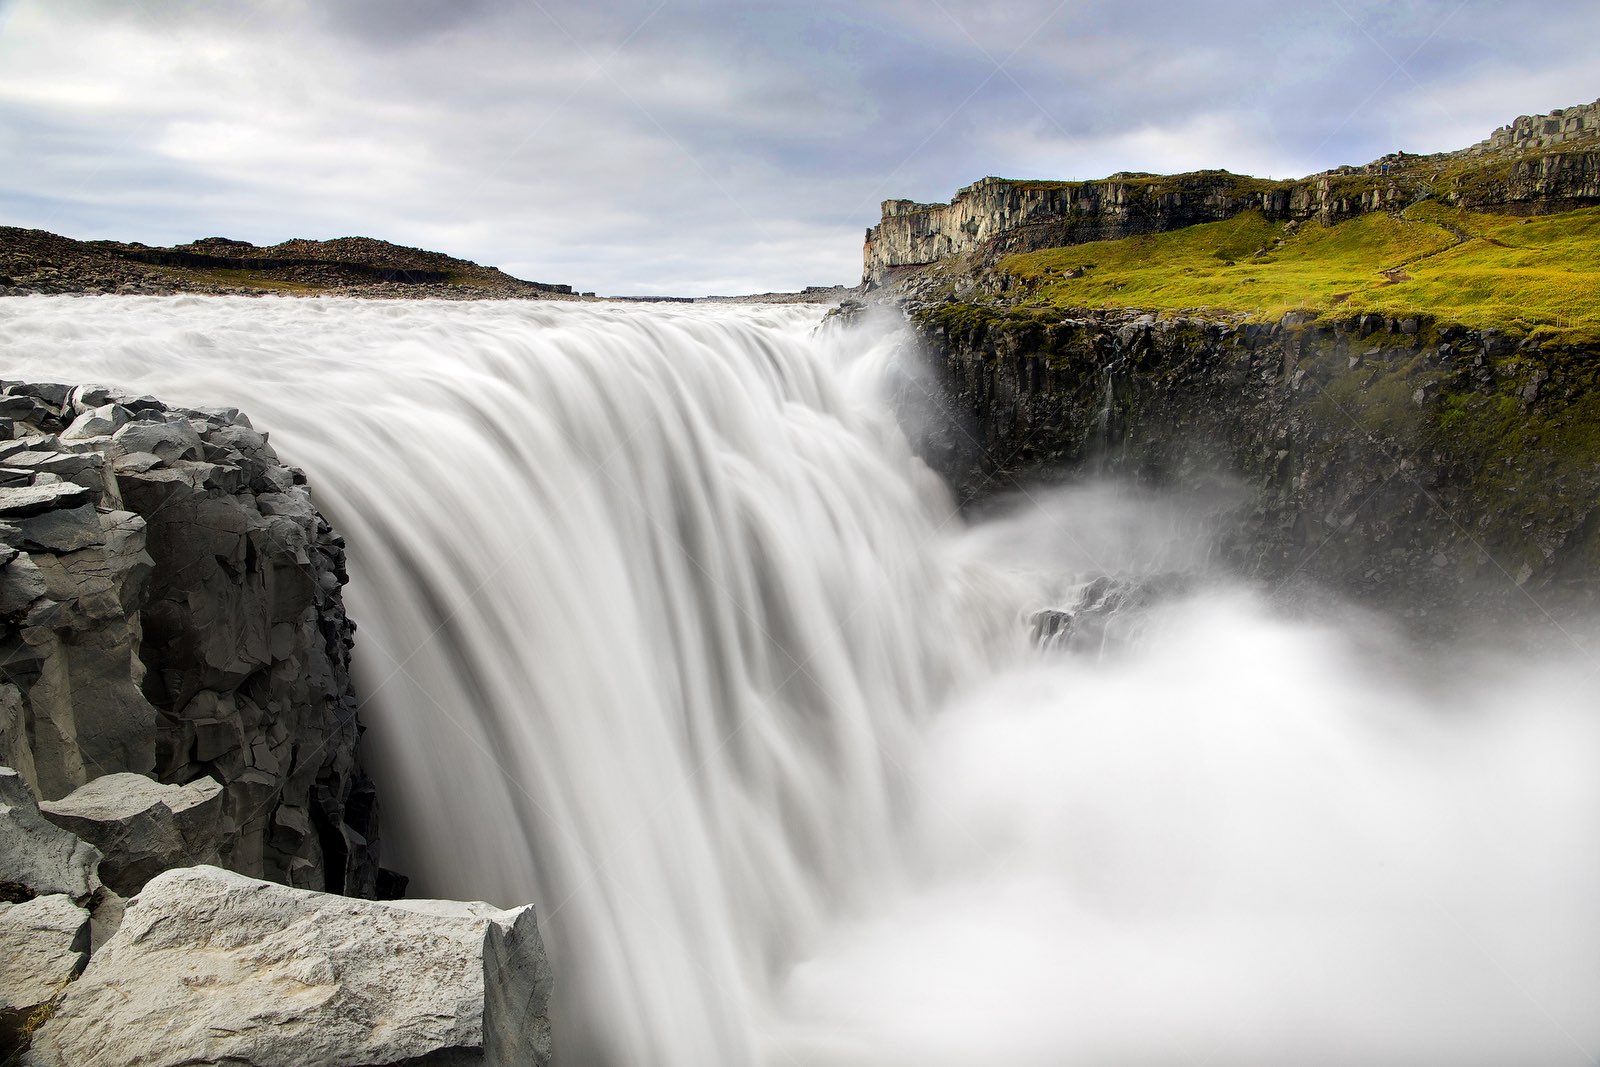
(20, 501)
(213, 967)
(142, 827)
(62, 530)
(36, 857)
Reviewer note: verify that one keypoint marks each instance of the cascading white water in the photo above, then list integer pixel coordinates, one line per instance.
(649, 611)
(662, 627)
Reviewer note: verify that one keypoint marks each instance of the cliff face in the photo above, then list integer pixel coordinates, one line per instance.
(1017, 216)
(171, 606)
(1516, 170)
(1410, 464)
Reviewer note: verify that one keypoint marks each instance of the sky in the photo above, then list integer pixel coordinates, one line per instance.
(694, 147)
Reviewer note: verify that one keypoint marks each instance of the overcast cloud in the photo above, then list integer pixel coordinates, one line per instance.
(704, 146)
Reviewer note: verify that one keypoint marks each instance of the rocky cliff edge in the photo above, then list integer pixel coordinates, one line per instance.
(170, 606)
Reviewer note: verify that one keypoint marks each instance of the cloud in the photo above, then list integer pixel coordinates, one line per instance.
(706, 145)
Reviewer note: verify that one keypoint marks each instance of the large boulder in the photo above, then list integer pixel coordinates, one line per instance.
(213, 967)
(37, 858)
(142, 827)
(43, 945)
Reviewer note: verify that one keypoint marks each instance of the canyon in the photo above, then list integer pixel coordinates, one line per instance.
(1416, 461)
(767, 655)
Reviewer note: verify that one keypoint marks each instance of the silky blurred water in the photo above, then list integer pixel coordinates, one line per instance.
(663, 628)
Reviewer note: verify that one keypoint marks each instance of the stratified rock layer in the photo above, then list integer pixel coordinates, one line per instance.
(171, 607)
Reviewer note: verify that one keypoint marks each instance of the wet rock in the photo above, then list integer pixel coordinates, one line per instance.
(84, 398)
(141, 826)
(254, 974)
(1050, 627)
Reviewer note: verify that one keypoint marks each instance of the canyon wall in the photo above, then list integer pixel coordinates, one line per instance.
(1411, 464)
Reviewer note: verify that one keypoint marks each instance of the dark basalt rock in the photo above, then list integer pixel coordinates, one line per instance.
(170, 606)
(1409, 463)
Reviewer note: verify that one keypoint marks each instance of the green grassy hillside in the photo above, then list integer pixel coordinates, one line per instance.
(1472, 268)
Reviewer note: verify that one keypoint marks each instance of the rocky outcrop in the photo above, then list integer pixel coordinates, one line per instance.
(142, 827)
(209, 966)
(1099, 607)
(1519, 172)
(213, 967)
(998, 215)
(171, 607)
(1409, 463)
(1561, 126)
(174, 681)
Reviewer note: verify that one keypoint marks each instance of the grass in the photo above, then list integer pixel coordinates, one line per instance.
(241, 279)
(1473, 268)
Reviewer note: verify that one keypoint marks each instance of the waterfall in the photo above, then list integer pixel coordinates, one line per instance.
(650, 609)
(663, 628)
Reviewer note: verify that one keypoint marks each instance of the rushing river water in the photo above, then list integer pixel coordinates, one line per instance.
(663, 628)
